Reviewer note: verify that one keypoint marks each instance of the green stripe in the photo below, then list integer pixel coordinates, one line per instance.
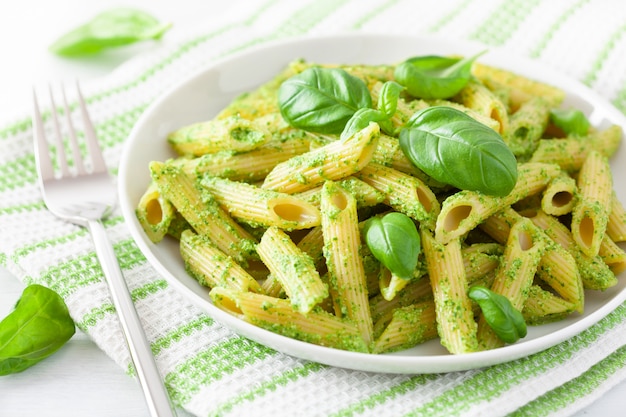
(96, 314)
(496, 380)
(359, 23)
(504, 22)
(20, 208)
(85, 270)
(18, 173)
(390, 394)
(181, 332)
(572, 391)
(213, 364)
(597, 65)
(60, 240)
(260, 390)
(450, 16)
(556, 26)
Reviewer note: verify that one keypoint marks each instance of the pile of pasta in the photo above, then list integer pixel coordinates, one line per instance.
(269, 218)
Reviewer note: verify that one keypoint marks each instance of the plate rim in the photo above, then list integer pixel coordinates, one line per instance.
(389, 363)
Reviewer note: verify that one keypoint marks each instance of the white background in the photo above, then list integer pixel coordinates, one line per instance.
(80, 380)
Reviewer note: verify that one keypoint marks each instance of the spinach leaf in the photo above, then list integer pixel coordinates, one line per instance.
(38, 326)
(322, 99)
(506, 321)
(111, 28)
(394, 240)
(434, 77)
(455, 149)
(572, 121)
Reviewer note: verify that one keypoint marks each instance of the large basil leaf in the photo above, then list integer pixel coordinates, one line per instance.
(434, 77)
(38, 326)
(322, 99)
(394, 240)
(571, 121)
(505, 320)
(455, 149)
(111, 28)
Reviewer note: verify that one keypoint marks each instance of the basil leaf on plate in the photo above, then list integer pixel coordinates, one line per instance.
(322, 99)
(434, 77)
(38, 326)
(505, 320)
(572, 121)
(394, 240)
(455, 149)
(111, 28)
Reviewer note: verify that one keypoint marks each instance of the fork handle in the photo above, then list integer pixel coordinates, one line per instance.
(150, 380)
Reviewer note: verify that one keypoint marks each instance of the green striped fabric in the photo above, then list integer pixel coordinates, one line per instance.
(212, 372)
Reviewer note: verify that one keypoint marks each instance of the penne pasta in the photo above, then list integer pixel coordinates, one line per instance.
(407, 327)
(261, 208)
(616, 227)
(560, 195)
(155, 213)
(476, 96)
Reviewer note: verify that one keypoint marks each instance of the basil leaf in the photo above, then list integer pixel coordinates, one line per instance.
(505, 320)
(394, 240)
(361, 119)
(38, 326)
(434, 77)
(571, 121)
(115, 27)
(455, 149)
(322, 99)
(388, 98)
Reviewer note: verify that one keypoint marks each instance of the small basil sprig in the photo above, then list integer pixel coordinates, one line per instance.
(505, 320)
(110, 28)
(386, 108)
(38, 326)
(394, 240)
(455, 149)
(572, 121)
(434, 77)
(322, 99)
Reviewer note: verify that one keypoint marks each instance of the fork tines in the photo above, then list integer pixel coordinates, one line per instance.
(42, 154)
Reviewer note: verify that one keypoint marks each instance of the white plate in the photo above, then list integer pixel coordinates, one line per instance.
(201, 96)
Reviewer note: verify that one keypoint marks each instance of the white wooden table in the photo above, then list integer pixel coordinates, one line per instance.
(80, 380)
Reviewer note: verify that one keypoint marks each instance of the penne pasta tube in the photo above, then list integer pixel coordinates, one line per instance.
(342, 240)
(202, 213)
(293, 268)
(275, 314)
(612, 255)
(365, 194)
(595, 274)
(542, 306)
(408, 327)
(526, 127)
(570, 153)
(259, 207)
(455, 318)
(560, 195)
(590, 215)
(155, 213)
(212, 267)
(616, 228)
(403, 192)
(465, 210)
(233, 133)
(557, 267)
(334, 161)
(247, 166)
(522, 254)
(476, 96)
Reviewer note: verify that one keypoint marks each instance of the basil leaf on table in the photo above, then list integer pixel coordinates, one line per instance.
(434, 77)
(322, 100)
(455, 149)
(394, 240)
(505, 320)
(111, 28)
(38, 326)
(572, 121)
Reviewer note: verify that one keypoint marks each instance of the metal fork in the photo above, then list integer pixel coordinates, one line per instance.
(84, 194)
